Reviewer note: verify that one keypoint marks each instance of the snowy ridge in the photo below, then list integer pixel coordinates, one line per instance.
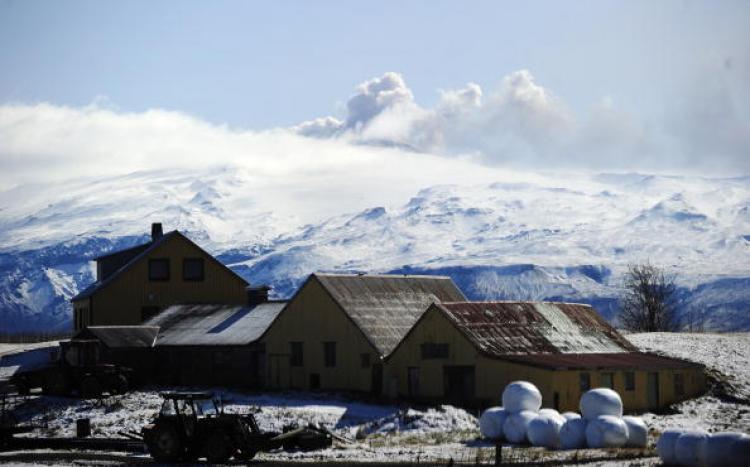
(520, 237)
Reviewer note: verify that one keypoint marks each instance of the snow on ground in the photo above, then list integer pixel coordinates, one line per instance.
(727, 354)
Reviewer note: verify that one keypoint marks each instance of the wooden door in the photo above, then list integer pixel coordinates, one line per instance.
(652, 390)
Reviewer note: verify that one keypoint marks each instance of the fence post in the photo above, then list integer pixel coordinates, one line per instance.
(498, 453)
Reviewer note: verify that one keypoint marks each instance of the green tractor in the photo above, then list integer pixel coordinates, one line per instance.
(191, 425)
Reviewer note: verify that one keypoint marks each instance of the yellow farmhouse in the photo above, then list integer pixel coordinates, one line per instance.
(467, 352)
(337, 328)
(135, 284)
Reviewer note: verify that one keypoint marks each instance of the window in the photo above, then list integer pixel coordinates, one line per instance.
(364, 360)
(584, 381)
(434, 351)
(158, 269)
(192, 269)
(297, 358)
(679, 384)
(629, 381)
(607, 380)
(329, 353)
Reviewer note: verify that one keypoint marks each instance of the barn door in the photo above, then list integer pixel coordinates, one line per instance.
(278, 371)
(376, 383)
(413, 381)
(458, 384)
(652, 390)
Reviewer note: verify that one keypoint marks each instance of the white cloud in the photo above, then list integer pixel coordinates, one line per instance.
(522, 123)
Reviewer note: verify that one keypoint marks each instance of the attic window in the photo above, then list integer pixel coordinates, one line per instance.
(158, 269)
(192, 269)
(434, 351)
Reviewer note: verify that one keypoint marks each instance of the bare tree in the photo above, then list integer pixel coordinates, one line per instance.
(649, 303)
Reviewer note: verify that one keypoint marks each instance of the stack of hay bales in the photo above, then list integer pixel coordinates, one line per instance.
(698, 448)
(602, 425)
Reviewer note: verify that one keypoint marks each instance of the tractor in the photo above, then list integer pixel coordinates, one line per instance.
(191, 425)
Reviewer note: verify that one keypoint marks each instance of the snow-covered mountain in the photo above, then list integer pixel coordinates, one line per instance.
(524, 237)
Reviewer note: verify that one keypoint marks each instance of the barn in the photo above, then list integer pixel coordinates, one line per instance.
(467, 352)
(337, 328)
(213, 344)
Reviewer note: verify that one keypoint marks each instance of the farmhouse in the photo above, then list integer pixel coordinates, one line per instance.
(469, 351)
(134, 284)
(337, 328)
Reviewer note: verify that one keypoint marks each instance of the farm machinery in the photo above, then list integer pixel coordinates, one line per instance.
(77, 370)
(191, 425)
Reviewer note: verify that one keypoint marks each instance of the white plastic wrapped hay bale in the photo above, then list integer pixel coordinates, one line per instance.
(740, 452)
(665, 446)
(573, 433)
(544, 429)
(517, 425)
(550, 412)
(491, 423)
(606, 431)
(600, 401)
(690, 448)
(637, 432)
(718, 450)
(521, 395)
(570, 415)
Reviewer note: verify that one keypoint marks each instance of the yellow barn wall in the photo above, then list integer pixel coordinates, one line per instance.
(313, 317)
(492, 375)
(120, 302)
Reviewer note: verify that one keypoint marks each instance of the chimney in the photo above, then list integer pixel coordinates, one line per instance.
(257, 295)
(156, 231)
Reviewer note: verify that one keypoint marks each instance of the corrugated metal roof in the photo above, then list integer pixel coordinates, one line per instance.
(121, 336)
(385, 307)
(591, 361)
(186, 325)
(506, 328)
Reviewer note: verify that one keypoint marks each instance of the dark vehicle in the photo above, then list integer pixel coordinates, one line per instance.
(191, 425)
(78, 370)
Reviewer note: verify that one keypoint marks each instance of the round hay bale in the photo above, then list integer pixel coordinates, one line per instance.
(690, 448)
(606, 431)
(573, 433)
(521, 395)
(516, 426)
(550, 412)
(600, 401)
(637, 432)
(719, 447)
(544, 430)
(491, 423)
(570, 415)
(665, 446)
(740, 452)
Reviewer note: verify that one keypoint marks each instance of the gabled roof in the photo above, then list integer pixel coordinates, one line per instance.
(385, 307)
(149, 247)
(499, 329)
(116, 337)
(191, 325)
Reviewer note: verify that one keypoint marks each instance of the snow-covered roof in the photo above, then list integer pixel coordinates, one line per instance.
(385, 307)
(187, 325)
(116, 337)
(515, 328)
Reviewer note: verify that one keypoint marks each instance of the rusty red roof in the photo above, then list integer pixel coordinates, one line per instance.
(508, 328)
(603, 361)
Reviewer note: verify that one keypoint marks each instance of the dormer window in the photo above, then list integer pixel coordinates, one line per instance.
(158, 269)
(192, 269)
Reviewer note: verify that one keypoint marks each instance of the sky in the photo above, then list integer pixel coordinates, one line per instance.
(597, 85)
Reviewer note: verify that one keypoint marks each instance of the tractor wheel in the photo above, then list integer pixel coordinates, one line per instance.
(246, 454)
(56, 384)
(218, 448)
(164, 444)
(91, 388)
(118, 384)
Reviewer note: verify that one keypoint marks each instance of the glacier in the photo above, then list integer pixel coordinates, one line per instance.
(520, 238)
